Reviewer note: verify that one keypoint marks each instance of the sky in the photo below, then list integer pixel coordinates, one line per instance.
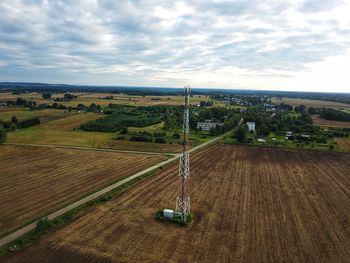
(270, 45)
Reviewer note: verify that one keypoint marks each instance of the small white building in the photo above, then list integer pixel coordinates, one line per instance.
(207, 125)
(251, 125)
(168, 213)
(261, 140)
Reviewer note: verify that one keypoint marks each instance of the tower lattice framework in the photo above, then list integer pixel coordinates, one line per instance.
(183, 201)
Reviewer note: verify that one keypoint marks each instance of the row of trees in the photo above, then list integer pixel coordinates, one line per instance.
(336, 115)
(14, 123)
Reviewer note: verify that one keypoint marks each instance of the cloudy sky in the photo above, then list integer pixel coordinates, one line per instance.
(253, 44)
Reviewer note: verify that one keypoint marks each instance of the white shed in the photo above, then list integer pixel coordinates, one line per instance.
(168, 213)
(251, 126)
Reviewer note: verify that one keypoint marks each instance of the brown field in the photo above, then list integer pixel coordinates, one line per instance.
(312, 103)
(35, 181)
(328, 123)
(88, 98)
(251, 205)
(143, 146)
(344, 144)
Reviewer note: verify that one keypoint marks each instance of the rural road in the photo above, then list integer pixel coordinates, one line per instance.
(11, 237)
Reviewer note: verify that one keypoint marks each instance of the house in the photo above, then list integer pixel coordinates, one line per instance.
(207, 125)
(261, 140)
(251, 126)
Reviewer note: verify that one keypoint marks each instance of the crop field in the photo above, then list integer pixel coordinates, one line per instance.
(152, 147)
(45, 115)
(251, 205)
(35, 180)
(143, 146)
(344, 144)
(312, 103)
(97, 98)
(63, 131)
(329, 123)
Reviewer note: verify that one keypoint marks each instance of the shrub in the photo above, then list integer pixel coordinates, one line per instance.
(29, 122)
(160, 139)
(124, 131)
(141, 138)
(176, 135)
(3, 135)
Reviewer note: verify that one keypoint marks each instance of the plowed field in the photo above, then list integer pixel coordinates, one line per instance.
(251, 205)
(35, 181)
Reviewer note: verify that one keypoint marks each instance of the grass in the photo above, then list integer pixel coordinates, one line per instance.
(22, 113)
(282, 143)
(62, 132)
(174, 220)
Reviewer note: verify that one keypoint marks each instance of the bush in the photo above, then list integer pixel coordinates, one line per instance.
(3, 135)
(43, 225)
(29, 122)
(176, 135)
(175, 220)
(141, 138)
(124, 131)
(160, 139)
(241, 134)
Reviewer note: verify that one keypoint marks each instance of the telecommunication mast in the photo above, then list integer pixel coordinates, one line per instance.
(183, 201)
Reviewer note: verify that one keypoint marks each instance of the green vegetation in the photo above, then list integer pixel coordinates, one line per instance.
(46, 95)
(241, 134)
(26, 123)
(3, 135)
(334, 115)
(176, 219)
(122, 117)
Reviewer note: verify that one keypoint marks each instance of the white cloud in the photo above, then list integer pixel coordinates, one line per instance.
(234, 44)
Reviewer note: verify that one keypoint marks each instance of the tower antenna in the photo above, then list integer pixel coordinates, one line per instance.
(183, 201)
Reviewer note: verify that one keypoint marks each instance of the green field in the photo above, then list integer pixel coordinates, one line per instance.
(62, 132)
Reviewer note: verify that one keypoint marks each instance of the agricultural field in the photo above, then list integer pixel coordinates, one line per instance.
(45, 115)
(251, 204)
(98, 98)
(311, 103)
(35, 181)
(344, 144)
(63, 131)
(329, 123)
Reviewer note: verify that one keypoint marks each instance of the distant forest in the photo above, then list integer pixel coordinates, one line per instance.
(161, 91)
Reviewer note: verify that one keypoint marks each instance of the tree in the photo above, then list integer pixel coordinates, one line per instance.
(46, 95)
(241, 134)
(263, 130)
(14, 119)
(3, 136)
(124, 131)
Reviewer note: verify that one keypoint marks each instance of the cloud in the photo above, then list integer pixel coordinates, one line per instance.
(236, 44)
